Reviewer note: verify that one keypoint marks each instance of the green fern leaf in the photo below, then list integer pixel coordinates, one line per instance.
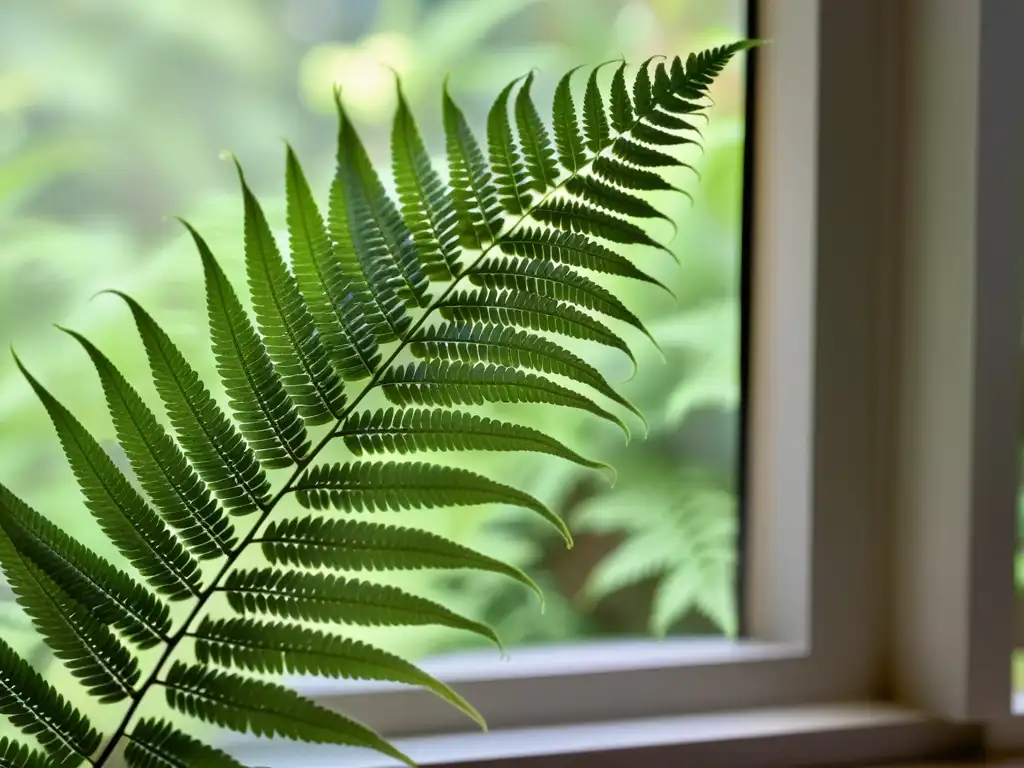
(646, 157)
(419, 429)
(122, 513)
(536, 313)
(369, 299)
(91, 652)
(181, 498)
(264, 709)
(457, 383)
(595, 190)
(554, 281)
(368, 486)
(538, 151)
(35, 707)
(111, 595)
(623, 116)
(595, 118)
(669, 121)
(158, 744)
(265, 414)
(476, 200)
(579, 216)
(643, 99)
(572, 249)
(508, 347)
(426, 204)
(209, 439)
(332, 599)
(346, 321)
(609, 168)
(568, 135)
(652, 134)
(510, 174)
(276, 647)
(356, 545)
(15, 755)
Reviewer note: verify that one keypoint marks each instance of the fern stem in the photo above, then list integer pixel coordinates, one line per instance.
(268, 508)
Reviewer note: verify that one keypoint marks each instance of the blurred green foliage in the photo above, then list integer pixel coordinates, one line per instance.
(112, 116)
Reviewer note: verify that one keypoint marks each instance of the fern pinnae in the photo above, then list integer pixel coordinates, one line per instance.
(279, 647)
(13, 754)
(125, 517)
(158, 744)
(209, 439)
(110, 594)
(39, 710)
(181, 498)
(507, 164)
(568, 132)
(538, 151)
(265, 414)
(358, 545)
(330, 288)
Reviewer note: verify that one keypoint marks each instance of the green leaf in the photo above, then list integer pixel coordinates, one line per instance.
(623, 116)
(158, 744)
(573, 249)
(266, 416)
(510, 174)
(34, 706)
(511, 348)
(476, 200)
(335, 293)
(333, 599)
(264, 709)
(537, 148)
(595, 118)
(536, 313)
(368, 486)
(276, 647)
(595, 190)
(15, 755)
(610, 168)
(579, 216)
(108, 593)
(643, 99)
(426, 202)
(210, 441)
(568, 134)
(440, 382)
(420, 429)
(181, 498)
(383, 245)
(122, 513)
(639, 154)
(357, 545)
(91, 652)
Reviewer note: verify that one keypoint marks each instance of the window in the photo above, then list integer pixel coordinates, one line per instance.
(882, 307)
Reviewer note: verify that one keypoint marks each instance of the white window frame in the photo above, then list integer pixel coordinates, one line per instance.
(883, 413)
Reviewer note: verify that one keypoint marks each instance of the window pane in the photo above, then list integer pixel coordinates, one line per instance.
(112, 115)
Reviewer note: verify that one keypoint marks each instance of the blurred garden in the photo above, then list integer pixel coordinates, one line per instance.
(114, 117)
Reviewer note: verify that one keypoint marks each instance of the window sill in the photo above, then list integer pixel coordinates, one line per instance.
(836, 734)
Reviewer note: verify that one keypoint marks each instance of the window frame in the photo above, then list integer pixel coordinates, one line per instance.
(883, 311)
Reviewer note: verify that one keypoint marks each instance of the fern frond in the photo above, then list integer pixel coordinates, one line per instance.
(122, 513)
(333, 599)
(276, 647)
(265, 414)
(210, 441)
(356, 545)
(158, 744)
(334, 291)
(610, 168)
(36, 708)
(510, 348)
(621, 105)
(420, 429)
(109, 594)
(15, 755)
(457, 383)
(538, 151)
(581, 216)
(426, 205)
(368, 486)
(264, 709)
(91, 652)
(596, 131)
(599, 192)
(510, 174)
(181, 498)
(475, 198)
(568, 133)
(532, 312)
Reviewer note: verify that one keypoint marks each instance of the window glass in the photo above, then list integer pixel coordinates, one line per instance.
(112, 116)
